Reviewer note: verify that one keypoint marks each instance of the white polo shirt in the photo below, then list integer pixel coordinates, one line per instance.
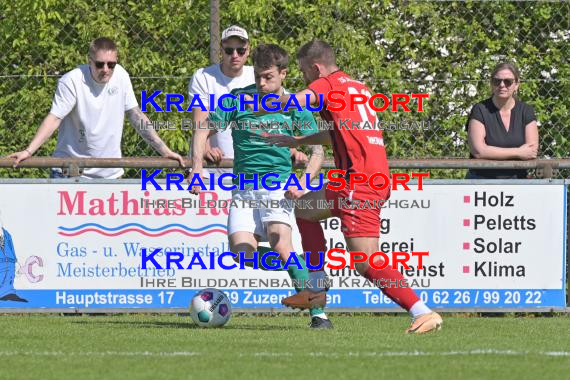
(211, 80)
(92, 116)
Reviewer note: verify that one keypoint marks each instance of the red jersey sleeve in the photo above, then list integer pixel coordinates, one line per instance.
(321, 86)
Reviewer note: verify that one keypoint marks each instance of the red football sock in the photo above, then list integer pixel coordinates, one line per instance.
(403, 296)
(313, 241)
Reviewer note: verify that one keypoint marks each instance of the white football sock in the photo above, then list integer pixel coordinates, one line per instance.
(419, 308)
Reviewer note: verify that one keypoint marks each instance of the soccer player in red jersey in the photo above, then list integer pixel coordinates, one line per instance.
(356, 150)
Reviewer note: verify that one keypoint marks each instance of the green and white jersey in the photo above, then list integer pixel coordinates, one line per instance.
(251, 153)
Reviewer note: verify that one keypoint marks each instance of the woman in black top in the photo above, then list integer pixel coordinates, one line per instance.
(502, 127)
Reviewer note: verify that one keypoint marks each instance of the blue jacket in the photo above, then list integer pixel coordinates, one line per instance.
(7, 265)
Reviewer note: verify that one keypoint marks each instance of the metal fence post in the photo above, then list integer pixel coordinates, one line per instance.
(214, 31)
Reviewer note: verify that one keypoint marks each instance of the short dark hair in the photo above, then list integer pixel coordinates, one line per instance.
(317, 51)
(101, 43)
(267, 55)
(507, 66)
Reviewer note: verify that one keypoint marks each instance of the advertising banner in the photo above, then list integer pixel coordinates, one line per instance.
(80, 246)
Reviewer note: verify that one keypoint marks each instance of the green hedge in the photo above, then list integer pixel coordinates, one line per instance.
(444, 48)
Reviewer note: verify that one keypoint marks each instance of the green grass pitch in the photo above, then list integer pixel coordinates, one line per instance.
(143, 346)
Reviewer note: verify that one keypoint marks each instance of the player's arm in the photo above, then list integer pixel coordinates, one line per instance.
(47, 128)
(199, 141)
(210, 154)
(313, 167)
(480, 149)
(317, 152)
(304, 97)
(139, 121)
(315, 163)
(298, 157)
(321, 138)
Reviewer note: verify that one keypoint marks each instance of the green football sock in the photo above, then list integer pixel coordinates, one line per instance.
(316, 311)
(300, 276)
(267, 263)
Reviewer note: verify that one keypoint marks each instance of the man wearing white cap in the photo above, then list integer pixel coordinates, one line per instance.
(220, 79)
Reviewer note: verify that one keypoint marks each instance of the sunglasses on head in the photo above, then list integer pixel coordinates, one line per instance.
(229, 51)
(497, 82)
(99, 64)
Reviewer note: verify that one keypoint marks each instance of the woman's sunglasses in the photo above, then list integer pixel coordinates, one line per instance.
(497, 82)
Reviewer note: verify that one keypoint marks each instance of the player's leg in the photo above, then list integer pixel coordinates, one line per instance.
(244, 226)
(280, 239)
(277, 223)
(242, 241)
(361, 230)
(264, 261)
(312, 235)
(249, 220)
(279, 236)
(403, 296)
(310, 229)
(314, 245)
(279, 232)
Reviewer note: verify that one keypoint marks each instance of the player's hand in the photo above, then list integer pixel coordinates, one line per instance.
(20, 156)
(214, 155)
(298, 157)
(189, 174)
(175, 156)
(528, 151)
(281, 140)
(294, 194)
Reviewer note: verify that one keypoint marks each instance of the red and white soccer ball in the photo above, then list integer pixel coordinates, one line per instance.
(210, 308)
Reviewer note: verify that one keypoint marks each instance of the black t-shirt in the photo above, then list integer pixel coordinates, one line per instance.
(496, 135)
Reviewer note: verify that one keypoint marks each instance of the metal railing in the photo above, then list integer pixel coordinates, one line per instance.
(72, 166)
(447, 49)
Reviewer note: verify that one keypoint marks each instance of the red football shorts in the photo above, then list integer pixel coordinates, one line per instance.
(357, 218)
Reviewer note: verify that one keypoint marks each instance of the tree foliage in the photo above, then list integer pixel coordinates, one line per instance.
(446, 49)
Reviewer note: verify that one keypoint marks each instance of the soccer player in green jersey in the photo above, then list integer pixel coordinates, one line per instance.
(249, 226)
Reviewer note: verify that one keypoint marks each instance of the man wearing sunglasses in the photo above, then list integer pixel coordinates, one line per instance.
(220, 79)
(89, 108)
